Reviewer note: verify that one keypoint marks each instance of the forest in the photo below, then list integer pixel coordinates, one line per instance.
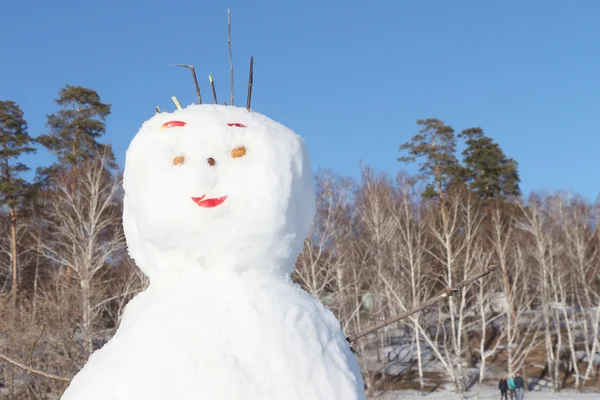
(379, 245)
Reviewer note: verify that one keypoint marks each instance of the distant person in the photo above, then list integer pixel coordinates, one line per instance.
(519, 386)
(511, 387)
(503, 386)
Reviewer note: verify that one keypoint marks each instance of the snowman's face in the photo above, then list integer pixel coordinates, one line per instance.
(210, 181)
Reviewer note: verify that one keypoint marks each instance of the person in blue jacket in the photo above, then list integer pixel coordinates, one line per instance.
(511, 387)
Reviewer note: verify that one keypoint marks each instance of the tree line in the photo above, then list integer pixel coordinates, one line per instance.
(379, 245)
(64, 271)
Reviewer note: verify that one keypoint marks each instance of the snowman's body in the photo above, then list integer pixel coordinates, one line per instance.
(218, 202)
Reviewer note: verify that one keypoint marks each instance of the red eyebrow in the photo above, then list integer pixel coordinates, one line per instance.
(171, 124)
(236, 124)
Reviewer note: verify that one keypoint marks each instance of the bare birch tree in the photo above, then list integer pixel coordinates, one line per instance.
(86, 235)
(320, 268)
(581, 254)
(544, 251)
(525, 331)
(455, 252)
(375, 200)
(521, 329)
(412, 242)
(488, 344)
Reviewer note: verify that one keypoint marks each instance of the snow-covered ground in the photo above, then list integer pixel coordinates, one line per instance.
(485, 393)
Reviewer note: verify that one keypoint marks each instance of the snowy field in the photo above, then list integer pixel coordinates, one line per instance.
(486, 393)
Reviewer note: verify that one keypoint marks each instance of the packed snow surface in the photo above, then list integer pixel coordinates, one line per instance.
(485, 393)
(218, 202)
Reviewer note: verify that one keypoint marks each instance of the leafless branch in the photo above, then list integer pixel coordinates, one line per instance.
(212, 86)
(35, 343)
(191, 67)
(230, 54)
(33, 370)
(444, 295)
(250, 82)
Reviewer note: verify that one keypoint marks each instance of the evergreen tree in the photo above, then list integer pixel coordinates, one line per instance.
(14, 142)
(436, 144)
(73, 137)
(488, 172)
(74, 132)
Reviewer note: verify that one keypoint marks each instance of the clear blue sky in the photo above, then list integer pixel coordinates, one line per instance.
(352, 77)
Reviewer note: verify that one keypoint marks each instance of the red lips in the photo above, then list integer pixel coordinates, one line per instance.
(208, 203)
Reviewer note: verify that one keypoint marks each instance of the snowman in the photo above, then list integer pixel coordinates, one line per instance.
(218, 202)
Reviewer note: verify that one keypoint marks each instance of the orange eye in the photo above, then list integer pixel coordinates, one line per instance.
(179, 160)
(173, 124)
(238, 152)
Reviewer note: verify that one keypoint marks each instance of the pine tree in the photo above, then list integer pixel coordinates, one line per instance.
(74, 132)
(436, 144)
(14, 142)
(73, 137)
(488, 172)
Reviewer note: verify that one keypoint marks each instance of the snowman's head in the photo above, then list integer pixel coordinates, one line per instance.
(216, 187)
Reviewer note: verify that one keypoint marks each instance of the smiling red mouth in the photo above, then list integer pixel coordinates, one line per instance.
(208, 203)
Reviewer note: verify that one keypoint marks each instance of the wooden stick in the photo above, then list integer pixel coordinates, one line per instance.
(445, 294)
(157, 109)
(191, 67)
(230, 53)
(250, 82)
(176, 102)
(212, 85)
(33, 370)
